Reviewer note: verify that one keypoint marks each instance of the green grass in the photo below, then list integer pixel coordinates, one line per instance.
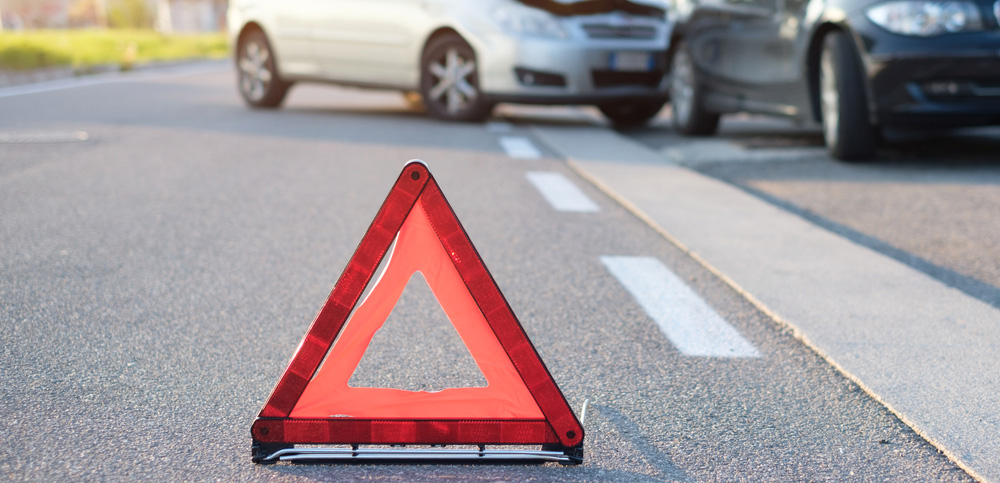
(86, 48)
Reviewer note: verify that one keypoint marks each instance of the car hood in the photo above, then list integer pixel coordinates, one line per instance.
(594, 7)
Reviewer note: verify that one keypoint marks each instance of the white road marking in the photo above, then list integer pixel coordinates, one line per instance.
(42, 137)
(519, 147)
(561, 193)
(499, 127)
(692, 326)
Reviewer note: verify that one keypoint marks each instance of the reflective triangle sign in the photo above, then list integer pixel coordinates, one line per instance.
(416, 233)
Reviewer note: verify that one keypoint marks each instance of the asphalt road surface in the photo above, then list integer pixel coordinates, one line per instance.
(163, 250)
(929, 200)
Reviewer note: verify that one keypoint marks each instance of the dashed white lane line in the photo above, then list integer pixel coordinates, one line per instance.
(561, 193)
(693, 327)
(519, 147)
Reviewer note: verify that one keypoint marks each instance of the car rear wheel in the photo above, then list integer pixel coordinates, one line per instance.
(631, 113)
(259, 82)
(847, 127)
(687, 97)
(449, 81)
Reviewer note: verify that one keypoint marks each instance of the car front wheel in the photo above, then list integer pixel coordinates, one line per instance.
(687, 97)
(847, 126)
(259, 82)
(449, 81)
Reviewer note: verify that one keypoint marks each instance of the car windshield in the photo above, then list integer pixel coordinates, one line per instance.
(593, 7)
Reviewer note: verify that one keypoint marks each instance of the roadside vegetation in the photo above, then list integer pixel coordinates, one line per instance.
(85, 49)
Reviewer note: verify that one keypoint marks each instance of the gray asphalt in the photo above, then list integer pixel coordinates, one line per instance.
(156, 278)
(929, 200)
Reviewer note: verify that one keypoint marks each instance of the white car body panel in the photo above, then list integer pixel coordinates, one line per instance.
(379, 43)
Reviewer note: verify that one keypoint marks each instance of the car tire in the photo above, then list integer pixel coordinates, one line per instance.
(449, 81)
(259, 82)
(847, 126)
(689, 115)
(631, 113)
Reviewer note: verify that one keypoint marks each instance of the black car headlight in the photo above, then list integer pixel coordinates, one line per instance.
(926, 18)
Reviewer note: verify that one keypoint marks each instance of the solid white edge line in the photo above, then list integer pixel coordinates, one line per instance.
(561, 193)
(690, 324)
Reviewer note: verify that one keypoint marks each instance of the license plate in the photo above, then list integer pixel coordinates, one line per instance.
(631, 61)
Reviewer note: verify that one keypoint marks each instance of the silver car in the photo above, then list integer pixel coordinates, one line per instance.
(461, 56)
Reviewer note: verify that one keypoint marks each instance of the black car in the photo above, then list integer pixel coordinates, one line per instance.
(853, 65)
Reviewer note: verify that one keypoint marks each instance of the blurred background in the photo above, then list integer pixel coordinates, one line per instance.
(45, 39)
(167, 16)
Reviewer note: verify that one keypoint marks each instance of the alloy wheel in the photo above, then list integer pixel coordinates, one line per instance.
(682, 87)
(455, 84)
(256, 74)
(829, 97)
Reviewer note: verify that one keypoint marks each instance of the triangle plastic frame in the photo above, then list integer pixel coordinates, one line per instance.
(274, 430)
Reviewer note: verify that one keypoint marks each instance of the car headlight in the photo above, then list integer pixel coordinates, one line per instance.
(521, 20)
(926, 18)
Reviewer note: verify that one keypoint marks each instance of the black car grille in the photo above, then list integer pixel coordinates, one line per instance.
(609, 78)
(605, 31)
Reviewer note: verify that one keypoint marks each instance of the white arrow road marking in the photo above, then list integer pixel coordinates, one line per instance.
(692, 326)
(519, 147)
(561, 193)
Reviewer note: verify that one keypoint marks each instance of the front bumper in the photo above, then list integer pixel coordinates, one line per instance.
(542, 71)
(945, 91)
(938, 81)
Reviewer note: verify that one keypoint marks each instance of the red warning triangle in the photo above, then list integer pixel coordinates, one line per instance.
(415, 231)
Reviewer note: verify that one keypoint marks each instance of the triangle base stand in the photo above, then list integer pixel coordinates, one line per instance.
(436, 454)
